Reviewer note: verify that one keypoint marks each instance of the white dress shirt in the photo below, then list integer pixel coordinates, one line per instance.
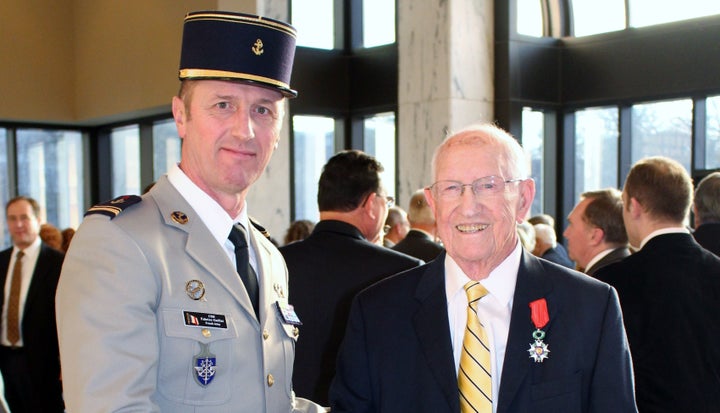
(494, 310)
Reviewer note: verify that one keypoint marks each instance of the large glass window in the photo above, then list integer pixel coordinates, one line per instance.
(596, 149)
(166, 147)
(50, 170)
(314, 22)
(663, 129)
(378, 22)
(649, 12)
(313, 145)
(125, 142)
(533, 133)
(379, 141)
(712, 133)
(529, 18)
(592, 17)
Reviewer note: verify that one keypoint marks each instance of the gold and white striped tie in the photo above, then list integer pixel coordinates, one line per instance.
(475, 377)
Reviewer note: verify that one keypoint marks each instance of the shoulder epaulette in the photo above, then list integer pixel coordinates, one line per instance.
(260, 228)
(115, 206)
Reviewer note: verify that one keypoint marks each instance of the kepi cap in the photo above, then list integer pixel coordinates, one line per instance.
(237, 46)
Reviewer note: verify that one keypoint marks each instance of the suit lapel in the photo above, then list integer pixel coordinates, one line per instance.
(531, 285)
(431, 325)
(37, 282)
(4, 267)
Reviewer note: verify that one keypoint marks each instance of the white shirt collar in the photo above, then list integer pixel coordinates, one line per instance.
(663, 231)
(32, 250)
(210, 212)
(500, 283)
(598, 257)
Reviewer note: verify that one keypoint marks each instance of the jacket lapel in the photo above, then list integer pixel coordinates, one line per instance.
(200, 245)
(531, 285)
(431, 325)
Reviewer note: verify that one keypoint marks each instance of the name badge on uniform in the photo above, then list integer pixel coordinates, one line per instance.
(204, 319)
(287, 312)
(204, 365)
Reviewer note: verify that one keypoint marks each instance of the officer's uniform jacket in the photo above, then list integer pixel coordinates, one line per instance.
(132, 323)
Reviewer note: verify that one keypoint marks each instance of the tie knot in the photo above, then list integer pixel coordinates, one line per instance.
(475, 291)
(237, 236)
(20, 254)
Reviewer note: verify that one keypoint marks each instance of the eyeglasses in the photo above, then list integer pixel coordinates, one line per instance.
(389, 201)
(451, 190)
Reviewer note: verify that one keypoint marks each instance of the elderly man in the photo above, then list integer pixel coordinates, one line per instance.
(175, 302)
(486, 327)
(707, 213)
(420, 240)
(669, 291)
(396, 226)
(596, 232)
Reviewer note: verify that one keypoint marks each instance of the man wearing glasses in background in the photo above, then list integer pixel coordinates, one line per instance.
(336, 261)
(537, 337)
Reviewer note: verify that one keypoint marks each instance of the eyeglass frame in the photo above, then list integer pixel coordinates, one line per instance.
(389, 200)
(473, 186)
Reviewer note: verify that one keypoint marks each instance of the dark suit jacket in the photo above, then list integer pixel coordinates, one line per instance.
(39, 330)
(708, 235)
(418, 244)
(614, 256)
(397, 353)
(559, 255)
(670, 296)
(326, 270)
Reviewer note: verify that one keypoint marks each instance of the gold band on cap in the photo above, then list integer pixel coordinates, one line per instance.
(217, 74)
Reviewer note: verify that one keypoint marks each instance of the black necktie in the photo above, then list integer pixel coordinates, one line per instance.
(242, 262)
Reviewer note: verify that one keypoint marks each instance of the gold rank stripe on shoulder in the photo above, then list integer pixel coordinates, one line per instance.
(115, 206)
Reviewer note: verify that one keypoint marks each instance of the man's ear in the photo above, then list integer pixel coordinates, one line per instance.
(178, 111)
(597, 235)
(635, 208)
(369, 205)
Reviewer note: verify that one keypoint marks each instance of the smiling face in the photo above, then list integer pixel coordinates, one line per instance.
(229, 133)
(479, 232)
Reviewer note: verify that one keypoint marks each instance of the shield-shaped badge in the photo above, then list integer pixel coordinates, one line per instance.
(204, 365)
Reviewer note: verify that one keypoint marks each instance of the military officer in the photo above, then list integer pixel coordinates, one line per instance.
(174, 301)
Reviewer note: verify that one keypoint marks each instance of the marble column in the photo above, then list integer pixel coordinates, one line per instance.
(445, 79)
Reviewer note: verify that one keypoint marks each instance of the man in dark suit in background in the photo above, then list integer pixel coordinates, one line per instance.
(420, 240)
(547, 247)
(670, 293)
(556, 337)
(29, 356)
(707, 213)
(335, 262)
(596, 232)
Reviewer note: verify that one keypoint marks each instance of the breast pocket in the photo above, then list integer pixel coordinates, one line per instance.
(562, 395)
(195, 362)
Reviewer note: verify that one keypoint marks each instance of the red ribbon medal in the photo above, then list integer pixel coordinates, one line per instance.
(540, 317)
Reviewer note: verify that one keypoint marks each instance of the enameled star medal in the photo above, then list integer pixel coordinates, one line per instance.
(540, 317)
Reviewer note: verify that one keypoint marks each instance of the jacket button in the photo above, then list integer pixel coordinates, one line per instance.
(270, 380)
(266, 334)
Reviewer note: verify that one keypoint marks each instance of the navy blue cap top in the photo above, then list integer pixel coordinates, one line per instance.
(236, 46)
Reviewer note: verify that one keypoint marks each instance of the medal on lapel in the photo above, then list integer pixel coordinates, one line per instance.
(204, 365)
(540, 317)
